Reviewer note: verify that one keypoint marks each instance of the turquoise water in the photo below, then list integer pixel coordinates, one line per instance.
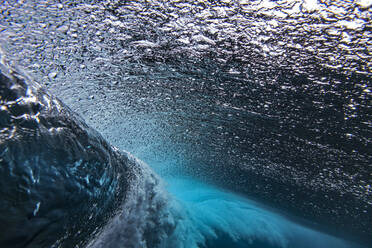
(217, 218)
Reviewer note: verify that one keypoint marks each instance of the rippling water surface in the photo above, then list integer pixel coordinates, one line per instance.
(268, 99)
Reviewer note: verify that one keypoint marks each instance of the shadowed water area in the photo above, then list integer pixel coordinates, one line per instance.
(267, 99)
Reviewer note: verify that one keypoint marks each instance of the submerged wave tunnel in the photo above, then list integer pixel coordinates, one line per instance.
(63, 185)
(269, 99)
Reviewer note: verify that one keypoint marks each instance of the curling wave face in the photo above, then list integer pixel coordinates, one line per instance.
(60, 180)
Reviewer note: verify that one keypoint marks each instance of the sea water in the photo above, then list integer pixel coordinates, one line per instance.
(264, 89)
